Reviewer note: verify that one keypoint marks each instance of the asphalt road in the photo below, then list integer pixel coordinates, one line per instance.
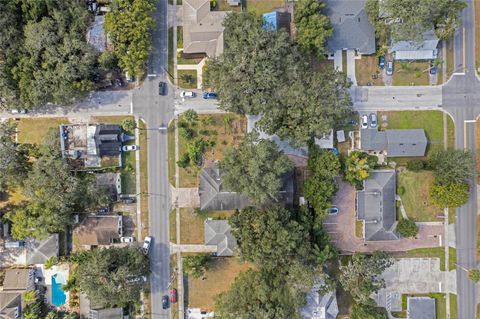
(461, 99)
(157, 111)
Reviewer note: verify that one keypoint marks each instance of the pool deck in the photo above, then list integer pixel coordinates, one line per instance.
(47, 274)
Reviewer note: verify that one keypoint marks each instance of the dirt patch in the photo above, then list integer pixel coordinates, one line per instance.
(367, 71)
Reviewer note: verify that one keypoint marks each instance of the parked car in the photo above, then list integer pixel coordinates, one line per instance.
(433, 68)
(209, 95)
(128, 148)
(165, 302)
(162, 88)
(390, 68)
(173, 295)
(146, 244)
(381, 62)
(373, 120)
(332, 210)
(103, 210)
(129, 200)
(187, 94)
(127, 239)
(364, 121)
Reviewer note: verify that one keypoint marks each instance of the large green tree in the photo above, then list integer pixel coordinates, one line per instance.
(13, 161)
(320, 186)
(128, 25)
(357, 167)
(112, 277)
(258, 295)
(270, 236)
(449, 195)
(452, 166)
(313, 27)
(272, 78)
(409, 19)
(255, 168)
(360, 276)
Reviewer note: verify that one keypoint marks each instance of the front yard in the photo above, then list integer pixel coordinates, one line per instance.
(430, 121)
(223, 130)
(192, 224)
(260, 7)
(416, 198)
(34, 130)
(218, 278)
(366, 70)
(411, 73)
(187, 79)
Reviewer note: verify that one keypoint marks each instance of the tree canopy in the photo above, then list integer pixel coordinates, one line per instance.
(452, 166)
(357, 167)
(46, 57)
(112, 277)
(272, 79)
(13, 161)
(449, 195)
(409, 19)
(360, 276)
(255, 168)
(128, 25)
(313, 27)
(407, 228)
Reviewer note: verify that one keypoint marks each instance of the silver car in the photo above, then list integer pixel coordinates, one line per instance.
(365, 121)
(373, 120)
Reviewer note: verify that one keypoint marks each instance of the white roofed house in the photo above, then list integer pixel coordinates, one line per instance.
(411, 50)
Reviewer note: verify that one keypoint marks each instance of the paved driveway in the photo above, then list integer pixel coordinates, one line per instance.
(341, 228)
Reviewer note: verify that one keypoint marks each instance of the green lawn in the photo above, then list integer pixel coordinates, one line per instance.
(222, 5)
(144, 177)
(365, 68)
(359, 228)
(192, 224)
(182, 60)
(440, 303)
(34, 130)
(128, 172)
(260, 7)
(416, 198)
(187, 79)
(450, 58)
(453, 306)
(180, 37)
(411, 73)
(430, 121)
(171, 153)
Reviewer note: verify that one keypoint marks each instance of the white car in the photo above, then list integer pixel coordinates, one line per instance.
(365, 121)
(126, 239)
(189, 94)
(128, 148)
(146, 245)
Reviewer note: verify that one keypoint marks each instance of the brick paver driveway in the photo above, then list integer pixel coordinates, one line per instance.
(341, 228)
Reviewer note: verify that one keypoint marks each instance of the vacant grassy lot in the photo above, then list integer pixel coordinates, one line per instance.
(440, 303)
(416, 199)
(411, 73)
(192, 224)
(34, 130)
(262, 6)
(430, 121)
(219, 277)
(225, 130)
(365, 68)
(187, 79)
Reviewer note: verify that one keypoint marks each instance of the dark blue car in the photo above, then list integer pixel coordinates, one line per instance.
(381, 62)
(209, 95)
(165, 302)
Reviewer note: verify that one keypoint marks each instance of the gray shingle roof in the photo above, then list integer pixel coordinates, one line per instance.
(39, 251)
(110, 313)
(218, 233)
(406, 143)
(214, 196)
(9, 301)
(376, 205)
(421, 308)
(408, 50)
(351, 28)
(397, 143)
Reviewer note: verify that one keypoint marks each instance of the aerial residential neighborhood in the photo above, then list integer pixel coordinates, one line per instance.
(270, 159)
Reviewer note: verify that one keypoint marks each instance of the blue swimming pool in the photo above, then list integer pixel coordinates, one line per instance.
(58, 295)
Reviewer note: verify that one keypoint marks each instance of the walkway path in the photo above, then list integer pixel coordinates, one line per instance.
(337, 60)
(351, 66)
(177, 248)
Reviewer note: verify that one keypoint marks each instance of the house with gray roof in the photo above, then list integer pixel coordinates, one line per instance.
(202, 28)
(421, 308)
(395, 143)
(215, 196)
(15, 284)
(351, 28)
(375, 206)
(218, 233)
(320, 306)
(410, 50)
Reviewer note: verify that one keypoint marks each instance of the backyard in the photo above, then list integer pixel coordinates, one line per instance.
(411, 73)
(218, 278)
(262, 6)
(430, 121)
(223, 130)
(222, 5)
(416, 198)
(34, 130)
(365, 68)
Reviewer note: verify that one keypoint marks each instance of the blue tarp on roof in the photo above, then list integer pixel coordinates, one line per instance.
(270, 21)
